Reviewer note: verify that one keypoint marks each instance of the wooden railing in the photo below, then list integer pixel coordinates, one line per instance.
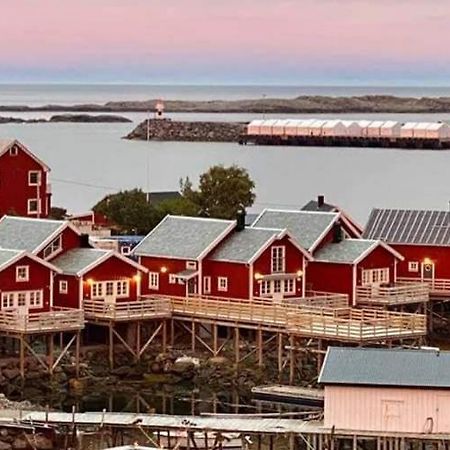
(437, 287)
(317, 299)
(58, 319)
(399, 293)
(346, 324)
(131, 310)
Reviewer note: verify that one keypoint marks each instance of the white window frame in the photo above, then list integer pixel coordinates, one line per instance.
(173, 278)
(265, 288)
(30, 299)
(207, 285)
(373, 277)
(25, 277)
(413, 266)
(278, 259)
(122, 288)
(39, 177)
(14, 151)
(63, 287)
(222, 284)
(7, 300)
(38, 206)
(110, 288)
(153, 280)
(192, 265)
(268, 288)
(54, 247)
(289, 286)
(125, 250)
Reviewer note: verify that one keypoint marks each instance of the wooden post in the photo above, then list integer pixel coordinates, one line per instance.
(193, 331)
(291, 359)
(111, 346)
(77, 354)
(236, 345)
(50, 352)
(172, 332)
(138, 340)
(164, 336)
(22, 357)
(214, 336)
(280, 354)
(259, 337)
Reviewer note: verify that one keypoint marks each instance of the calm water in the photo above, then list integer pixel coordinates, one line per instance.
(66, 94)
(89, 161)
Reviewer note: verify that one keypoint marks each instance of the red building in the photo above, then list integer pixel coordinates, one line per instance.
(99, 275)
(423, 238)
(26, 282)
(24, 188)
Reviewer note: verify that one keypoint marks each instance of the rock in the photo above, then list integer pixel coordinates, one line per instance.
(219, 361)
(188, 360)
(5, 446)
(10, 374)
(20, 443)
(87, 118)
(41, 442)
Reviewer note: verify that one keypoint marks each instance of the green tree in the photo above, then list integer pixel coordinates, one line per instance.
(222, 191)
(57, 213)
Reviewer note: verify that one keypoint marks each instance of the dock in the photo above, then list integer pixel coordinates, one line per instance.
(289, 394)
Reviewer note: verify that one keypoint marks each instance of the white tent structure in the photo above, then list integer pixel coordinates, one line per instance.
(303, 128)
(278, 128)
(420, 130)
(253, 128)
(333, 128)
(291, 127)
(266, 127)
(407, 130)
(315, 129)
(352, 128)
(390, 129)
(438, 130)
(364, 124)
(374, 128)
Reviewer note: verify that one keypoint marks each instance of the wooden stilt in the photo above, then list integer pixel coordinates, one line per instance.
(280, 354)
(172, 332)
(259, 337)
(214, 338)
(164, 337)
(291, 359)
(236, 345)
(111, 346)
(138, 340)
(50, 352)
(22, 356)
(77, 354)
(193, 331)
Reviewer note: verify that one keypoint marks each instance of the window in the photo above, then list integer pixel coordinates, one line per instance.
(153, 280)
(289, 286)
(21, 299)
(172, 278)
(222, 284)
(22, 273)
(270, 287)
(265, 287)
(35, 299)
(413, 266)
(191, 265)
(97, 290)
(34, 178)
(63, 287)
(375, 276)
(33, 206)
(14, 151)
(278, 259)
(109, 288)
(7, 300)
(125, 250)
(277, 286)
(122, 288)
(116, 289)
(207, 285)
(52, 248)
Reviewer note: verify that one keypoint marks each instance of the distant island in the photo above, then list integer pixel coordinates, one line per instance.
(75, 118)
(298, 105)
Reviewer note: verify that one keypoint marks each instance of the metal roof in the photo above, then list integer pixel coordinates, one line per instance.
(243, 245)
(77, 260)
(21, 233)
(386, 367)
(347, 251)
(183, 237)
(401, 226)
(305, 226)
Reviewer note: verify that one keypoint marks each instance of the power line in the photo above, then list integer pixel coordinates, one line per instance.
(80, 183)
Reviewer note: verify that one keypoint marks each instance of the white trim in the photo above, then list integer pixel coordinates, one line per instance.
(52, 276)
(251, 285)
(27, 151)
(219, 281)
(80, 292)
(355, 279)
(62, 290)
(207, 278)
(38, 202)
(153, 283)
(26, 277)
(39, 178)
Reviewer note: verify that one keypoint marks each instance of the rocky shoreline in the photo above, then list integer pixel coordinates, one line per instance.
(168, 130)
(71, 118)
(298, 105)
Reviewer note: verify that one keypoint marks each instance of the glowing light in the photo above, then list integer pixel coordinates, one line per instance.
(137, 278)
(299, 273)
(258, 276)
(163, 269)
(90, 281)
(427, 261)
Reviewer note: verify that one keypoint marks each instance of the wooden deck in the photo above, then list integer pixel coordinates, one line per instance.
(148, 308)
(438, 288)
(398, 294)
(58, 319)
(341, 324)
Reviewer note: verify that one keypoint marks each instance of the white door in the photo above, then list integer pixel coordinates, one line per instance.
(110, 293)
(22, 303)
(443, 414)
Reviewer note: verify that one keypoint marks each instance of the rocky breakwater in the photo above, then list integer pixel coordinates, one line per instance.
(170, 130)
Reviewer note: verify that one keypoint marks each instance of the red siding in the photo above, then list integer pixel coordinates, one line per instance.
(72, 298)
(380, 258)
(39, 279)
(14, 188)
(173, 266)
(70, 240)
(440, 256)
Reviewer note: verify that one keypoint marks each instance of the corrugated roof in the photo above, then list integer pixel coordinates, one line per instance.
(21, 233)
(386, 367)
(305, 226)
(74, 262)
(183, 237)
(347, 251)
(243, 245)
(401, 226)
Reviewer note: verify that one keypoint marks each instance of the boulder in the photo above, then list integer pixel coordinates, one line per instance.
(11, 374)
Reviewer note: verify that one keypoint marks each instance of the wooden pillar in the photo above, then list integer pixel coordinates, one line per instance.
(291, 359)
(259, 338)
(319, 355)
(236, 346)
(280, 354)
(77, 354)
(138, 340)
(214, 338)
(164, 336)
(111, 346)
(193, 331)
(22, 356)
(50, 352)
(172, 332)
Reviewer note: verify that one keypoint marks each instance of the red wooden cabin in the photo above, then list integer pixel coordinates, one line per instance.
(256, 262)
(24, 188)
(423, 238)
(174, 252)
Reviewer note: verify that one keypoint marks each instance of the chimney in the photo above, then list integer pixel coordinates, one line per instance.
(320, 201)
(240, 219)
(337, 233)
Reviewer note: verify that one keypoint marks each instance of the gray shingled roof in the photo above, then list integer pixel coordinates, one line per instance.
(182, 237)
(8, 255)
(386, 367)
(77, 260)
(21, 233)
(306, 227)
(313, 205)
(243, 245)
(5, 143)
(346, 251)
(400, 226)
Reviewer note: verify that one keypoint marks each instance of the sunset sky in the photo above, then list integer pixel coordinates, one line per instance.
(376, 42)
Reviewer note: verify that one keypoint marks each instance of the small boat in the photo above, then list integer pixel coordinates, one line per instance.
(289, 394)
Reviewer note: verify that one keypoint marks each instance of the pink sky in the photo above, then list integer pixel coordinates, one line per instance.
(244, 39)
